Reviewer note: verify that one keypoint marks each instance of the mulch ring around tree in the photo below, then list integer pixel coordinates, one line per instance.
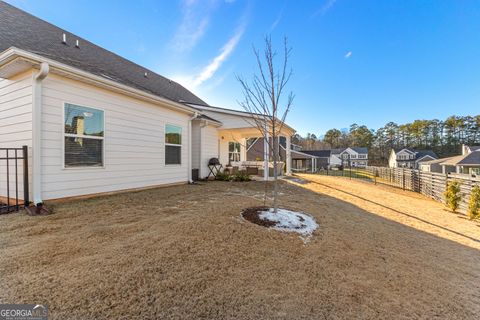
(253, 215)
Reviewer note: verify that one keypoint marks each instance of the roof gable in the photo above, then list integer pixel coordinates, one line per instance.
(405, 151)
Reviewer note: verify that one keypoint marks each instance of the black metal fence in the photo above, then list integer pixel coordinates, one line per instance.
(14, 192)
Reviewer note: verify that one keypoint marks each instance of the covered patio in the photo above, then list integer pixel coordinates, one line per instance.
(233, 147)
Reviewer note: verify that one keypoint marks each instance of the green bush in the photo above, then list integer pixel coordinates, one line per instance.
(221, 176)
(241, 176)
(474, 203)
(453, 195)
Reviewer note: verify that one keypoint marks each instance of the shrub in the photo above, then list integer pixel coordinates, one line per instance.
(241, 176)
(221, 176)
(453, 195)
(474, 203)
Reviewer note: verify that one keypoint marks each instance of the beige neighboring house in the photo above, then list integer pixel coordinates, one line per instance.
(95, 122)
(432, 166)
(467, 163)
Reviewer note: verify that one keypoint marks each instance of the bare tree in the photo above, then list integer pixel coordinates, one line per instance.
(264, 100)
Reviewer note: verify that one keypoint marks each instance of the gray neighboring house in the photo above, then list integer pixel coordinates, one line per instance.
(301, 160)
(322, 158)
(349, 157)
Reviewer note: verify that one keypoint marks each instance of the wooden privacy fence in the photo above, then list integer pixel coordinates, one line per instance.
(430, 184)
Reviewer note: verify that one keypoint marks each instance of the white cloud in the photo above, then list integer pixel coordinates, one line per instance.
(209, 70)
(348, 54)
(327, 5)
(277, 20)
(193, 82)
(195, 20)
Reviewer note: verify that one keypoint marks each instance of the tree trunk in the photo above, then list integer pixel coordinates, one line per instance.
(275, 144)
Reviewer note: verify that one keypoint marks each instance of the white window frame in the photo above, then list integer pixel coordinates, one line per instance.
(172, 144)
(64, 134)
(239, 151)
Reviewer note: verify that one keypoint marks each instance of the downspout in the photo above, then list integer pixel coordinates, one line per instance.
(37, 133)
(189, 173)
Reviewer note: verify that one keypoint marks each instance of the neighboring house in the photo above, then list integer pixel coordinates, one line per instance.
(432, 165)
(95, 122)
(323, 157)
(300, 160)
(349, 157)
(466, 163)
(409, 158)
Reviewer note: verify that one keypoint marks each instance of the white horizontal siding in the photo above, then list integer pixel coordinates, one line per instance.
(15, 129)
(134, 142)
(209, 148)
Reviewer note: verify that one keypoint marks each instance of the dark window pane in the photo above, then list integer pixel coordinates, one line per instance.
(82, 152)
(83, 120)
(234, 146)
(173, 134)
(173, 154)
(234, 156)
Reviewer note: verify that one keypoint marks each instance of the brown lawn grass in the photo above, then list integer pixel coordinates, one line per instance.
(184, 253)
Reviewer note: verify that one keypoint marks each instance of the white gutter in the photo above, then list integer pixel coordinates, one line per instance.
(190, 147)
(37, 131)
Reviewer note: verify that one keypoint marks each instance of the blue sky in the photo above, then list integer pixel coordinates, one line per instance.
(354, 61)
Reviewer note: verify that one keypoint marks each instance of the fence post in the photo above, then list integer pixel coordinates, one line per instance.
(375, 175)
(403, 174)
(26, 196)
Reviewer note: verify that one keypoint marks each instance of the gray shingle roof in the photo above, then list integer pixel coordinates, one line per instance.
(318, 153)
(24, 31)
(418, 153)
(361, 150)
(471, 159)
(422, 153)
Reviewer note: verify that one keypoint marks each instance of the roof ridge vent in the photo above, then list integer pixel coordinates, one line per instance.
(64, 38)
(145, 74)
(77, 44)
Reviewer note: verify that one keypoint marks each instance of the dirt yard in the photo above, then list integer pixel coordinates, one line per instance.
(184, 253)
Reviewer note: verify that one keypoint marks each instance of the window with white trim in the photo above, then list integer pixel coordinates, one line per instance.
(233, 151)
(173, 144)
(83, 136)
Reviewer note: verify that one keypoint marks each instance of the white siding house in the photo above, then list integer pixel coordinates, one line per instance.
(409, 158)
(134, 136)
(95, 122)
(15, 123)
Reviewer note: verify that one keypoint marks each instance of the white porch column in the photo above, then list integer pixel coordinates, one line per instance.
(266, 155)
(288, 157)
(243, 149)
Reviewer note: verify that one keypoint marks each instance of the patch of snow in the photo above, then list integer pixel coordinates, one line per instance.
(290, 221)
